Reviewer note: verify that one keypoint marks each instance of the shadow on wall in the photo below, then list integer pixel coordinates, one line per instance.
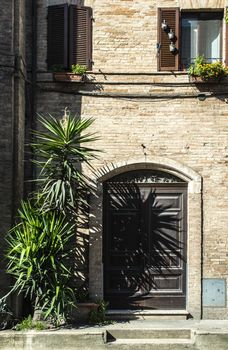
(55, 103)
(213, 88)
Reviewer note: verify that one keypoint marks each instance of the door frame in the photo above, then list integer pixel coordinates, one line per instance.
(194, 231)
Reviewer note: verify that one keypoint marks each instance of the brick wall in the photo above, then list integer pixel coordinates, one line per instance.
(12, 114)
(186, 130)
(6, 117)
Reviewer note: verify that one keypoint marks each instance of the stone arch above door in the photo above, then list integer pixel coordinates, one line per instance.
(167, 165)
(193, 181)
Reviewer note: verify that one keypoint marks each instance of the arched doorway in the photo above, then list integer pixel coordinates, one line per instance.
(145, 240)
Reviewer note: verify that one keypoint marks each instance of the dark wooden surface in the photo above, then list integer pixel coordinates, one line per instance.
(145, 246)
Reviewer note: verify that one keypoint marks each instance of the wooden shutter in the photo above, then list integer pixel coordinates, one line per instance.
(57, 53)
(168, 61)
(80, 38)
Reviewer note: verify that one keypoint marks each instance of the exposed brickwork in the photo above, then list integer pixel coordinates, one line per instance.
(188, 131)
(12, 101)
(6, 119)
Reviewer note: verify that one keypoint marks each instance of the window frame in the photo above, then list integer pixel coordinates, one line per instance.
(199, 13)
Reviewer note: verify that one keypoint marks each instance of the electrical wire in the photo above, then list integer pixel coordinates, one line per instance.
(201, 95)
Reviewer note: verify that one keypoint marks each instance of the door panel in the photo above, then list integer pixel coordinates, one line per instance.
(145, 245)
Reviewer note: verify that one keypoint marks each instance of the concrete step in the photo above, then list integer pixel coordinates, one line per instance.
(147, 314)
(143, 333)
(152, 344)
(150, 338)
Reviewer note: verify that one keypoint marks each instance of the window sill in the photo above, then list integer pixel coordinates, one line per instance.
(166, 79)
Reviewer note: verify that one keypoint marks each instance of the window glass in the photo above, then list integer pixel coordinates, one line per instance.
(201, 35)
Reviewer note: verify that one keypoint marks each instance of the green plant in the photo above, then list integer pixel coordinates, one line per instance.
(201, 68)
(78, 69)
(82, 296)
(41, 245)
(39, 255)
(28, 323)
(60, 152)
(226, 16)
(98, 316)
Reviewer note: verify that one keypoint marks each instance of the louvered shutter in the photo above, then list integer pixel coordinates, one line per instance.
(168, 61)
(80, 38)
(57, 41)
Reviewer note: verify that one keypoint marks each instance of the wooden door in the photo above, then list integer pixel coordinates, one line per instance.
(145, 245)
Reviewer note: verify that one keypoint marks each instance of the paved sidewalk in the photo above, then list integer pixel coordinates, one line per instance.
(197, 325)
(124, 335)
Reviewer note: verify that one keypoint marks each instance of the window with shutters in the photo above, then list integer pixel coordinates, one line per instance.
(192, 34)
(69, 39)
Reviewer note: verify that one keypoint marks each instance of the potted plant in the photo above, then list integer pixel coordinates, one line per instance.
(85, 306)
(201, 71)
(84, 310)
(89, 311)
(41, 246)
(77, 73)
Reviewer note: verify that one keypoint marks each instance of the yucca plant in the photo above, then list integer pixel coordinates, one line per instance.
(60, 153)
(39, 255)
(41, 245)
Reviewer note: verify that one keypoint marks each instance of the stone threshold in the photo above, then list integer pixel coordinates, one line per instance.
(148, 314)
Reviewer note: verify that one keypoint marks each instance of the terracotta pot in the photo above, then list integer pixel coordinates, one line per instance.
(67, 76)
(83, 310)
(197, 79)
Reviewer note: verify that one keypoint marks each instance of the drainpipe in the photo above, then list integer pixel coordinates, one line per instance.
(32, 122)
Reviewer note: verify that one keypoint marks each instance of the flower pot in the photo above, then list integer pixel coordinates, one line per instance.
(81, 313)
(197, 79)
(68, 77)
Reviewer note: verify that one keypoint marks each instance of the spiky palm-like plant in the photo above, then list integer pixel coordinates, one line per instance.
(39, 257)
(60, 154)
(40, 247)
